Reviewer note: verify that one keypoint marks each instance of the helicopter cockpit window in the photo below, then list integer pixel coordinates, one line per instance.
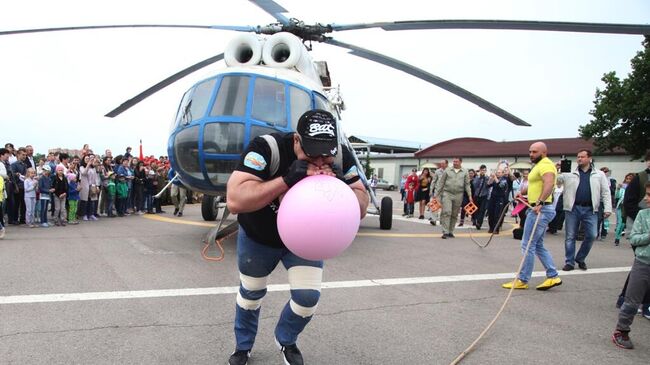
(300, 103)
(231, 98)
(186, 149)
(269, 102)
(200, 99)
(180, 116)
(223, 138)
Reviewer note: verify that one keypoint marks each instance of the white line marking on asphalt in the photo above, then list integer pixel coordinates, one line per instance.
(138, 294)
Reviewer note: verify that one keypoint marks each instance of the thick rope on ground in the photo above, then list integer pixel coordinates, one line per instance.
(499, 222)
(505, 302)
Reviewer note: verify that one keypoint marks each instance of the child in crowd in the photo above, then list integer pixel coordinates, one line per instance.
(45, 189)
(73, 198)
(157, 186)
(30, 184)
(110, 194)
(122, 194)
(149, 190)
(410, 200)
(2, 212)
(639, 282)
(60, 194)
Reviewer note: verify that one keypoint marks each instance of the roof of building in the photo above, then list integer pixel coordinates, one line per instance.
(384, 145)
(481, 147)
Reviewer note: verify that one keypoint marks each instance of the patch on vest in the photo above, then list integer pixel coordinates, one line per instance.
(352, 172)
(255, 161)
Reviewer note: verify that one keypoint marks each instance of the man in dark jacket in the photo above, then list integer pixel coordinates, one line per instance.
(18, 170)
(633, 199)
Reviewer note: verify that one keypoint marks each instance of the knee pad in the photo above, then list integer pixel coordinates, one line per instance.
(251, 292)
(304, 302)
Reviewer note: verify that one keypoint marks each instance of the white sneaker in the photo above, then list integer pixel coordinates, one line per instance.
(2, 233)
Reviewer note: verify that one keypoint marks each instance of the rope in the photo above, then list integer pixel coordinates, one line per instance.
(502, 216)
(218, 243)
(505, 302)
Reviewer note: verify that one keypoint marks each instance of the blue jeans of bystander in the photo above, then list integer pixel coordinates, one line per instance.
(589, 219)
(537, 245)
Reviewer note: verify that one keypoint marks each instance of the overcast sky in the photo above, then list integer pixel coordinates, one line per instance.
(56, 87)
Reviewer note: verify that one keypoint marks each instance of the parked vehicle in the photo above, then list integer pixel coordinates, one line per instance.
(384, 184)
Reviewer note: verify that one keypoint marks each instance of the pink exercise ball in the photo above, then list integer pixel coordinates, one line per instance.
(318, 217)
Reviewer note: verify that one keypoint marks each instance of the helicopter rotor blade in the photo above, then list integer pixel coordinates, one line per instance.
(426, 76)
(219, 27)
(274, 9)
(610, 28)
(162, 84)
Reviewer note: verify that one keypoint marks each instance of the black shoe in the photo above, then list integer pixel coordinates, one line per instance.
(290, 354)
(451, 235)
(567, 267)
(582, 266)
(421, 217)
(622, 340)
(617, 242)
(175, 211)
(432, 222)
(180, 214)
(239, 357)
(478, 227)
(490, 231)
(444, 236)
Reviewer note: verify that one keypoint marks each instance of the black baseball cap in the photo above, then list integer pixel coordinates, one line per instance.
(318, 133)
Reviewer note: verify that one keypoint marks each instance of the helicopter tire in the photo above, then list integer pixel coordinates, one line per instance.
(386, 213)
(209, 209)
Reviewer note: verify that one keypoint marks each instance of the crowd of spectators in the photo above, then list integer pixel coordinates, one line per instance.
(491, 193)
(59, 189)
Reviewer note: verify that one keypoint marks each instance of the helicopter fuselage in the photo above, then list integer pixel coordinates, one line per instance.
(219, 116)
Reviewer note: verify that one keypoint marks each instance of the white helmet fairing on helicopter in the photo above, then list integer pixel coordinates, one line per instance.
(219, 116)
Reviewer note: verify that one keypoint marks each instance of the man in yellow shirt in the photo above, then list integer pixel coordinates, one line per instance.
(541, 182)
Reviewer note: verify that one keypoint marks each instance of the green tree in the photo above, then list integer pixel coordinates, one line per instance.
(366, 166)
(622, 110)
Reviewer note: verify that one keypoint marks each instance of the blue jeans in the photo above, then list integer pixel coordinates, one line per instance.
(537, 245)
(256, 262)
(44, 203)
(573, 218)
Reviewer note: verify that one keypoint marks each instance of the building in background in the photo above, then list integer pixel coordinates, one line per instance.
(478, 151)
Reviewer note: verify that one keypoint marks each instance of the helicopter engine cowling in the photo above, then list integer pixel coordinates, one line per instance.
(244, 50)
(285, 50)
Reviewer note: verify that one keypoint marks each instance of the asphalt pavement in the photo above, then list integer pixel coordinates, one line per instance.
(135, 290)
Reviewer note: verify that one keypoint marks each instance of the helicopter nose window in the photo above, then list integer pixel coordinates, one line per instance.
(223, 138)
(269, 102)
(186, 149)
(219, 170)
(258, 130)
(231, 98)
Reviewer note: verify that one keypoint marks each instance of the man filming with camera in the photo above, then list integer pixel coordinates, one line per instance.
(585, 189)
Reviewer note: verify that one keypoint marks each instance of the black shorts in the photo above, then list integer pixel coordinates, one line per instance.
(422, 195)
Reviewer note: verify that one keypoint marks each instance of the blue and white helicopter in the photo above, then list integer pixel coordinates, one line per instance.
(270, 79)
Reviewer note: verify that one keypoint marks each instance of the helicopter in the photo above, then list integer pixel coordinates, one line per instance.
(205, 147)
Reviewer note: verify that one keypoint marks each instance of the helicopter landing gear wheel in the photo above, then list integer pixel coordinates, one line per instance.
(386, 213)
(210, 207)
